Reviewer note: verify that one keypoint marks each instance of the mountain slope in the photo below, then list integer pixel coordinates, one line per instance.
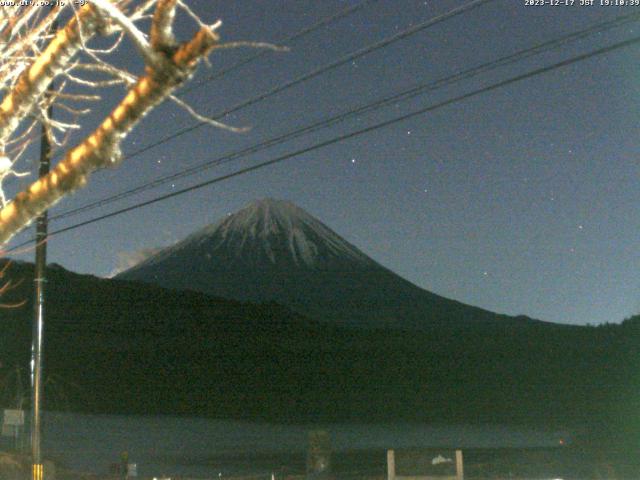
(274, 251)
(127, 347)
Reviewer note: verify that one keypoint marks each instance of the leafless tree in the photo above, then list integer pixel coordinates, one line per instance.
(32, 56)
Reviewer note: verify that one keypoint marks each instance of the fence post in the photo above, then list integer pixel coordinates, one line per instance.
(459, 465)
(391, 465)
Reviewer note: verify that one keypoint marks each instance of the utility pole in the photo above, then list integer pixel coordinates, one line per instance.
(38, 315)
(39, 278)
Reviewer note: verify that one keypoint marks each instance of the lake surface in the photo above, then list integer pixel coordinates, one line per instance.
(200, 447)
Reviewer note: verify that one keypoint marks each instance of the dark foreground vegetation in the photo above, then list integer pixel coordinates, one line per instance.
(123, 347)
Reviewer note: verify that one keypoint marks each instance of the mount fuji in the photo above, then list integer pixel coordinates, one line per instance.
(274, 251)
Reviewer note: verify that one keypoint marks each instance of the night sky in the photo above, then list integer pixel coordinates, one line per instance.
(522, 200)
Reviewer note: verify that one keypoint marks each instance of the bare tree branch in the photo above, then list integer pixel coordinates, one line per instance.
(102, 147)
(33, 82)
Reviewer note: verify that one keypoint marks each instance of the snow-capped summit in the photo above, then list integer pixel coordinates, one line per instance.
(272, 250)
(281, 231)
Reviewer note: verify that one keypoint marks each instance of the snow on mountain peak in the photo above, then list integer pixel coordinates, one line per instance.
(278, 227)
(266, 231)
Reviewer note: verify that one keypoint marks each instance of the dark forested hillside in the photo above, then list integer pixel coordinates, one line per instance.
(128, 347)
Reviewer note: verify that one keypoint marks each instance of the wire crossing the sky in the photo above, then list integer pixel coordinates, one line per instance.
(402, 96)
(320, 71)
(371, 128)
(291, 38)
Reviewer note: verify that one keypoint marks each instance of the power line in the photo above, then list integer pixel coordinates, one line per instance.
(356, 133)
(291, 38)
(321, 70)
(402, 96)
